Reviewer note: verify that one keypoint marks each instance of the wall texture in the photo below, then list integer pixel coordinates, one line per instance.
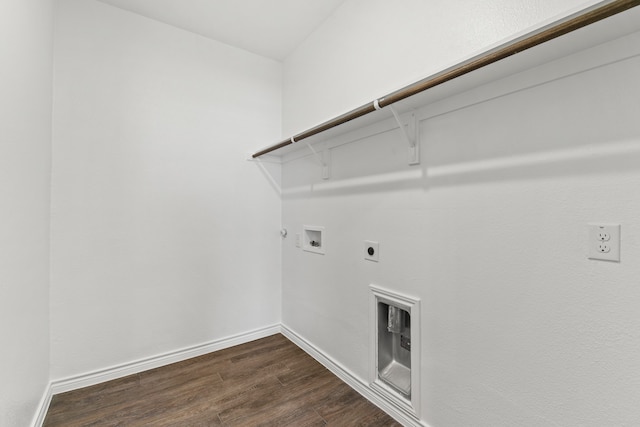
(163, 235)
(369, 48)
(26, 46)
(490, 232)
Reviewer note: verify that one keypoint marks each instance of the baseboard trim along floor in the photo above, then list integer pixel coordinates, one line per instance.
(119, 371)
(43, 407)
(406, 419)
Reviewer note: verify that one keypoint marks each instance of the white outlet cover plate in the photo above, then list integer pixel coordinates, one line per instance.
(376, 250)
(595, 241)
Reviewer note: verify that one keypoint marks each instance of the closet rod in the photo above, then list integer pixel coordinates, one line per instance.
(516, 46)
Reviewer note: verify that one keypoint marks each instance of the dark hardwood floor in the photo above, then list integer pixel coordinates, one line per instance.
(268, 382)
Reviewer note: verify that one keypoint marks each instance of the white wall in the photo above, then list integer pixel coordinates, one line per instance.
(369, 48)
(518, 326)
(163, 235)
(25, 155)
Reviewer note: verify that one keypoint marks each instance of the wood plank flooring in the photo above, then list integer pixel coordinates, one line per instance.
(268, 382)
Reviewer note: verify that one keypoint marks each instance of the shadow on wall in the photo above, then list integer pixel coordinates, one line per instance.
(581, 124)
(605, 158)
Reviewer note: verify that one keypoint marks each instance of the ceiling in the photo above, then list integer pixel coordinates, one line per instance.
(271, 28)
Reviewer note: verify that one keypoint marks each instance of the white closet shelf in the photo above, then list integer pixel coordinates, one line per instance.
(605, 21)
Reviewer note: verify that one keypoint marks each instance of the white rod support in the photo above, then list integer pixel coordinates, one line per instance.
(320, 159)
(409, 140)
(276, 186)
(315, 153)
(326, 161)
(410, 134)
(414, 150)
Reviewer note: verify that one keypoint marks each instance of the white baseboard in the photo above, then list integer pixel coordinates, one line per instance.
(43, 407)
(353, 381)
(119, 371)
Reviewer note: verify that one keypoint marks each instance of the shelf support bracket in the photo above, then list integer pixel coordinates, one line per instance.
(411, 136)
(321, 160)
(272, 181)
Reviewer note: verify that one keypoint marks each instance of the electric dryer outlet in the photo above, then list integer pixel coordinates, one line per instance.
(371, 250)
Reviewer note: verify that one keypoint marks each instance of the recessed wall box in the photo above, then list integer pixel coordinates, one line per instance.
(395, 348)
(313, 239)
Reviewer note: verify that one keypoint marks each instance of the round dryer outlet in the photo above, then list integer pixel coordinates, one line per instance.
(371, 250)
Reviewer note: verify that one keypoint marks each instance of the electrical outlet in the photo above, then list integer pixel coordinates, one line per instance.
(604, 242)
(371, 250)
(298, 240)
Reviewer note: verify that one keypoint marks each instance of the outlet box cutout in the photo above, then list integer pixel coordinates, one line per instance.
(313, 239)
